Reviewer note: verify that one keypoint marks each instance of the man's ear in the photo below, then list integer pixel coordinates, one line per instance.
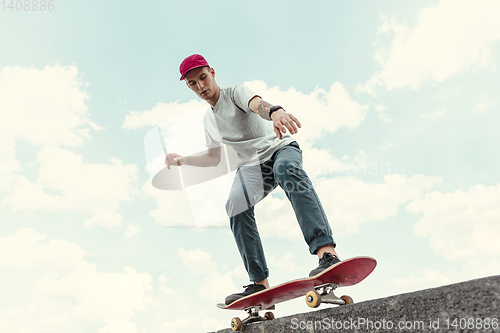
(212, 71)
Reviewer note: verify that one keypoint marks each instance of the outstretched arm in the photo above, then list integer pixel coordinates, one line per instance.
(210, 158)
(281, 119)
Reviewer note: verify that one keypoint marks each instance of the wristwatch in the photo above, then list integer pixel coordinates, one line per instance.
(274, 108)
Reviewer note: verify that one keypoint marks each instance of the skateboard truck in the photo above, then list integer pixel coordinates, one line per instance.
(253, 316)
(324, 294)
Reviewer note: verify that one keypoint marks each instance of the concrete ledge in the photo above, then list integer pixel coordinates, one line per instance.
(461, 307)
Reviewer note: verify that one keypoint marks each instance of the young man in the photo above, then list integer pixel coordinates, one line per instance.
(269, 157)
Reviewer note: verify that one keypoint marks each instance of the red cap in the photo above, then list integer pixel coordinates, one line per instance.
(192, 62)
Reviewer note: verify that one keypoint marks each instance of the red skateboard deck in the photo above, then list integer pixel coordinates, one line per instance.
(345, 273)
(318, 288)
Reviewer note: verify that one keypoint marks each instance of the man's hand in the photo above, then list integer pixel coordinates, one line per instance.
(283, 121)
(174, 159)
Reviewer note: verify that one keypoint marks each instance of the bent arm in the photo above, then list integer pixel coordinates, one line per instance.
(259, 106)
(210, 158)
(282, 121)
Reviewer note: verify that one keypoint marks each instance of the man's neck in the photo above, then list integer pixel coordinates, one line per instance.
(212, 101)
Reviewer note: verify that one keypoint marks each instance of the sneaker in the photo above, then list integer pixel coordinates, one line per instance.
(326, 261)
(250, 289)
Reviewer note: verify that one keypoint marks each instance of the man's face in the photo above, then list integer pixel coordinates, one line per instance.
(202, 81)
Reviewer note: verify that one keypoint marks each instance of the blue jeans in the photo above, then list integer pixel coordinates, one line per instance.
(252, 184)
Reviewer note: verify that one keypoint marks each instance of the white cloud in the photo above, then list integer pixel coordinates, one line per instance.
(349, 201)
(211, 324)
(449, 39)
(476, 268)
(195, 322)
(380, 109)
(197, 261)
(40, 106)
(460, 224)
(179, 324)
(104, 218)
(8, 162)
(173, 207)
(207, 288)
(163, 285)
(285, 264)
(483, 106)
(67, 292)
(44, 106)
(276, 218)
(118, 326)
(218, 285)
(386, 147)
(47, 109)
(318, 162)
(99, 296)
(331, 109)
(436, 114)
(429, 278)
(473, 268)
(159, 113)
(132, 230)
(29, 249)
(66, 184)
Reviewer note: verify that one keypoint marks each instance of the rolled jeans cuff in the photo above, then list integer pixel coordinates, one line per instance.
(255, 277)
(321, 241)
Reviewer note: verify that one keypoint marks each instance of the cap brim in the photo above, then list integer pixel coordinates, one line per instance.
(197, 66)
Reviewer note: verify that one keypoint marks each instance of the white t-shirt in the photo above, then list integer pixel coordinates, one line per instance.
(212, 135)
(233, 123)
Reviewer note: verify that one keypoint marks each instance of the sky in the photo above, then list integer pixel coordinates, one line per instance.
(399, 109)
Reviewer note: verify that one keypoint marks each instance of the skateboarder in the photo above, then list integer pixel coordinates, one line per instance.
(261, 135)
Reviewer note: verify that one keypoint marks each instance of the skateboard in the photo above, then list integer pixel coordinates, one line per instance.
(317, 289)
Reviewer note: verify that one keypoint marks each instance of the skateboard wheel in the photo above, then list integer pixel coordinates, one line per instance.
(236, 324)
(347, 299)
(313, 299)
(269, 315)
